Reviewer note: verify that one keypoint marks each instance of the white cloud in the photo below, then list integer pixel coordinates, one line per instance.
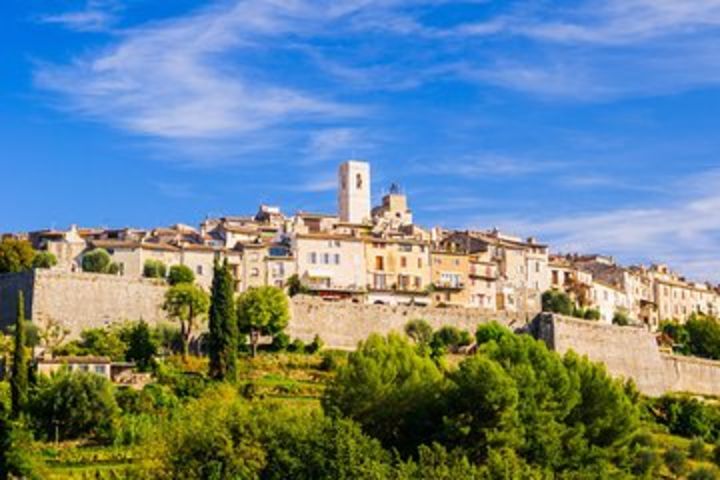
(489, 165)
(684, 231)
(316, 185)
(175, 79)
(333, 143)
(97, 16)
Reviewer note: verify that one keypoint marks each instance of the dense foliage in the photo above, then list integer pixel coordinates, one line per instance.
(72, 405)
(514, 395)
(699, 336)
(44, 260)
(15, 255)
(262, 311)
(154, 269)
(180, 274)
(96, 261)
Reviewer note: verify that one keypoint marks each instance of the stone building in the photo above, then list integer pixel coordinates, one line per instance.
(331, 265)
(450, 277)
(398, 271)
(354, 192)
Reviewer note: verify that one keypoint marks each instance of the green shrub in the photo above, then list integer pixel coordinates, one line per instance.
(645, 463)
(79, 404)
(297, 346)
(555, 301)
(621, 318)
(154, 269)
(696, 449)
(592, 314)
(419, 331)
(280, 342)
(315, 346)
(96, 261)
(716, 454)
(675, 460)
(180, 274)
(703, 473)
(44, 259)
(490, 332)
(332, 359)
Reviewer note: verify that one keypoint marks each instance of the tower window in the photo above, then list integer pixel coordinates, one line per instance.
(358, 181)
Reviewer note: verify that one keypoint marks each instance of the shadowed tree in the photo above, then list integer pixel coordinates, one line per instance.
(19, 373)
(223, 334)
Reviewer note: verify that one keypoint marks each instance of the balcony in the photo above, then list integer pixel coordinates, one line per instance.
(448, 286)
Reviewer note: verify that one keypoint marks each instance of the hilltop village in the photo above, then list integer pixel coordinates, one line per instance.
(380, 256)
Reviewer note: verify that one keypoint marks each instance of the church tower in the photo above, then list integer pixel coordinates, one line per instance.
(354, 191)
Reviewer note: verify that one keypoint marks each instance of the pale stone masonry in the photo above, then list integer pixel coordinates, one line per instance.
(380, 256)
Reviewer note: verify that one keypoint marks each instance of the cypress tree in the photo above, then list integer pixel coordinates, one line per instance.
(223, 335)
(19, 372)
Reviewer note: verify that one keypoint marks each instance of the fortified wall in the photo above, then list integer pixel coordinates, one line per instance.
(344, 324)
(80, 300)
(632, 353)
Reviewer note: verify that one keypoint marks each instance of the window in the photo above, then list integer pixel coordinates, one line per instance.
(337, 259)
(326, 258)
(379, 263)
(450, 279)
(418, 282)
(100, 369)
(312, 258)
(537, 267)
(255, 272)
(405, 248)
(84, 368)
(199, 269)
(420, 263)
(358, 181)
(403, 262)
(457, 262)
(379, 281)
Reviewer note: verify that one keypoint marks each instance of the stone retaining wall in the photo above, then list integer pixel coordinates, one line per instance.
(344, 324)
(630, 352)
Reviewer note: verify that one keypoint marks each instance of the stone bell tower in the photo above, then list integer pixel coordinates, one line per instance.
(354, 191)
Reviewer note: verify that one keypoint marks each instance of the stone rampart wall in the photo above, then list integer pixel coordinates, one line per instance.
(630, 352)
(344, 324)
(82, 300)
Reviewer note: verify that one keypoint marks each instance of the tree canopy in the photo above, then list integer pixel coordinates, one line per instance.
(96, 261)
(262, 311)
(186, 303)
(15, 255)
(180, 274)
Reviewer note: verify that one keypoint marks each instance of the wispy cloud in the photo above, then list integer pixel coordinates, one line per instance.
(323, 184)
(97, 16)
(684, 230)
(335, 143)
(176, 79)
(490, 165)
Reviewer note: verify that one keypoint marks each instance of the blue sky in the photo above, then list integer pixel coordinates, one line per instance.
(590, 124)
